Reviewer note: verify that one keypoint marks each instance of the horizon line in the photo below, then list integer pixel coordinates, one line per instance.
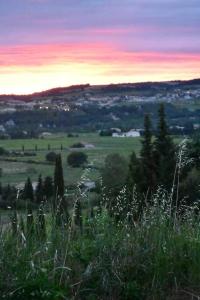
(96, 85)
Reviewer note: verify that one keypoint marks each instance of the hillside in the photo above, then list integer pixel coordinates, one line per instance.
(143, 89)
(92, 108)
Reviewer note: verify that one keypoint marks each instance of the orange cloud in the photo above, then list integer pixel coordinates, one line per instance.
(29, 68)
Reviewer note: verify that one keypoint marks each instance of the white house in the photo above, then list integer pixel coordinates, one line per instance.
(130, 133)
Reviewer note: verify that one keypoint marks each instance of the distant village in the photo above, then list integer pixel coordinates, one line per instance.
(69, 102)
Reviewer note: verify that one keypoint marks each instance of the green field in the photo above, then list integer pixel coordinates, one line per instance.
(17, 172)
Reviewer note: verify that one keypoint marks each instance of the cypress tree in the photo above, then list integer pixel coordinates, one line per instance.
(48, 187)
(134, 173)
(148, 173)
(58, 186)
(28, 190)
(164, 152)
(39, 190)
(58, 177)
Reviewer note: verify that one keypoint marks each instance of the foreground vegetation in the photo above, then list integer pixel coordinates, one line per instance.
(151, 258)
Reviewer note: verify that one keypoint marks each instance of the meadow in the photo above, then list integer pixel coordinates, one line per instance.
(17, 172)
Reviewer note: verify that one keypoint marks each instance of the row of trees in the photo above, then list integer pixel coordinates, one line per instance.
(44, 190)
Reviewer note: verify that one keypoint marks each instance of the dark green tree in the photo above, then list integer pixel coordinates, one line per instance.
(76, 159)
(114, 174)
(134, 173)
(59, 205)
(51, 156)
(9, 194)
(39, 190)
(164, 152)
(148, 172)
(58, 177)
(48, 187)
(28, 193)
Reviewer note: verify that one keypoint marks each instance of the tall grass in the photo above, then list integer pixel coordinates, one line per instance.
(106, 260)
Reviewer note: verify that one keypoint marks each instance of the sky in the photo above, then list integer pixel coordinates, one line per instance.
(54, 43)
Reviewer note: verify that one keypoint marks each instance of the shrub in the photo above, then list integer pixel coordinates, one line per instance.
(3, 151)
(51, 156)
(76, 159)
(77, 145)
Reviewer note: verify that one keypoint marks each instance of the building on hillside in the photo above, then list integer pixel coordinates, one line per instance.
(130, 133)
(2, 129)
(10, 123)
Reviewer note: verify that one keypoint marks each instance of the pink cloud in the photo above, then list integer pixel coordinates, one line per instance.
(37, 55)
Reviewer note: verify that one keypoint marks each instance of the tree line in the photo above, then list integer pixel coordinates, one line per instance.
(161, 164)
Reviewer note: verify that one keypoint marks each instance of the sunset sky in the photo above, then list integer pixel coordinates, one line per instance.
(53, 43)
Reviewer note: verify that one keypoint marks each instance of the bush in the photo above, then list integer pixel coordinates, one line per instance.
(76, 159)
(77, 145)
(114, 173)
(3, 151)
(51, 156)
